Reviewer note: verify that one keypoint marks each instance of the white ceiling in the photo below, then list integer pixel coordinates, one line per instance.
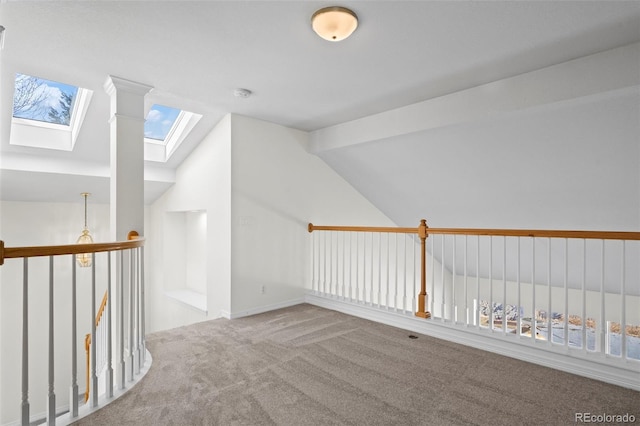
(196, 53)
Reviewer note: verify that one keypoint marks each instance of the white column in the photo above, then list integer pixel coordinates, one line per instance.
(127, 188)
(127, 156)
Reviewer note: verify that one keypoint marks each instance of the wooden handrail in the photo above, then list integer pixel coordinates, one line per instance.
(103, 305)
(36, 251)
(386, 229)
(87, 340)
(87, 346)
(542, 233)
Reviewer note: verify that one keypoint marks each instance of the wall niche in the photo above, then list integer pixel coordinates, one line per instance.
(185, 253)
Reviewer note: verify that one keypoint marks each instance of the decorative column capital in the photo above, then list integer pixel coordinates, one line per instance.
(116, 83)
(126, 97)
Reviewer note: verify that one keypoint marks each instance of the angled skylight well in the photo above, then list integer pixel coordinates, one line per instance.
(165, 129)
(46, 113)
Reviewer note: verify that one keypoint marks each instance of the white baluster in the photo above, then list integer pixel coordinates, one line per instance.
(371, 275)
(357, 261)
(549, 307)
(491, 316)
(24, 406)
(73, 391)
(452, 308)
(504, 285)
(135, 312)
(344, 264)
(388, 269)
(584, 295)
(93, 393)
(51, 396)
(324, 264)
(601, 322)
(466, 289)
(433, 273)
(142, 309)
(140, 316)
(566, 293)
(130, 358)
(121, 370)
(444, 296)
(404, 275)
(394, 299)
(313, 261)
(518, 280)
(533, 290)
(414, 306)
(331, 262)
(623, 305)
(379, 269)
(476, 307)
(109, 372)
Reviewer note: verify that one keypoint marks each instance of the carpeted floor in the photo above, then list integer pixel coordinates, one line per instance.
(306, 365)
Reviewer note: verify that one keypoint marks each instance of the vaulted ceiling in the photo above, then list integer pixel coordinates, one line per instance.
(195, 54)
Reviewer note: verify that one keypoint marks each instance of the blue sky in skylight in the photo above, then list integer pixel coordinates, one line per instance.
(159, 121)
(43, 100)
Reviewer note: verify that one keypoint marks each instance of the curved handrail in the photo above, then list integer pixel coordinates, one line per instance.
(36, 251)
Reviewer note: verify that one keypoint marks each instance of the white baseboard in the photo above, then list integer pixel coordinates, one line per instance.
(625, 373)
(262, 309)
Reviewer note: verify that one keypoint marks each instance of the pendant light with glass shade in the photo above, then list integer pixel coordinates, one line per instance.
(84, 259)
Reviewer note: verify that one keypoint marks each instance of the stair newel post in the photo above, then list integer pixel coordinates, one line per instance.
(422, 296)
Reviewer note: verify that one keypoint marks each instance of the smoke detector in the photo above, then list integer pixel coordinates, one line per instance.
(242, 93)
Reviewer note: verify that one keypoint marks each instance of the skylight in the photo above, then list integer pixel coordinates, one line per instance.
(43, 100)
(47, 114)
(160, 121)
(165, 129)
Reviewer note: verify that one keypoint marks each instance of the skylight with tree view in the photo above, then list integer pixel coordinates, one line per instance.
(159, 122)
(43, 100)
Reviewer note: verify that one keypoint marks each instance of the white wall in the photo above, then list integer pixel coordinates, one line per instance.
(259, 187)
(29, 224)
(278, 188)
(203, 183)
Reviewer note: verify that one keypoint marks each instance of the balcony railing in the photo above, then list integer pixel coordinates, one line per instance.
(575, 293)
(117, 335)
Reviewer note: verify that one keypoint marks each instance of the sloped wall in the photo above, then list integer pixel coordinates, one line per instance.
(278, 188)
(553, 148)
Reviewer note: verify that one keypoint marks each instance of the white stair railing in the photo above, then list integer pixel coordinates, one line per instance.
(129, 287)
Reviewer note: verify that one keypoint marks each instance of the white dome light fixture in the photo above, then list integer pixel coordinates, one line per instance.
(334, 23)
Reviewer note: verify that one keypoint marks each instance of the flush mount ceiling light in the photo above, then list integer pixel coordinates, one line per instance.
(334, 23)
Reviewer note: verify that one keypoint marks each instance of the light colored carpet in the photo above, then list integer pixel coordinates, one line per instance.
(306, 365)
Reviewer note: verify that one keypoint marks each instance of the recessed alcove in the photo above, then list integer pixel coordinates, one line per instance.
(185, 249)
